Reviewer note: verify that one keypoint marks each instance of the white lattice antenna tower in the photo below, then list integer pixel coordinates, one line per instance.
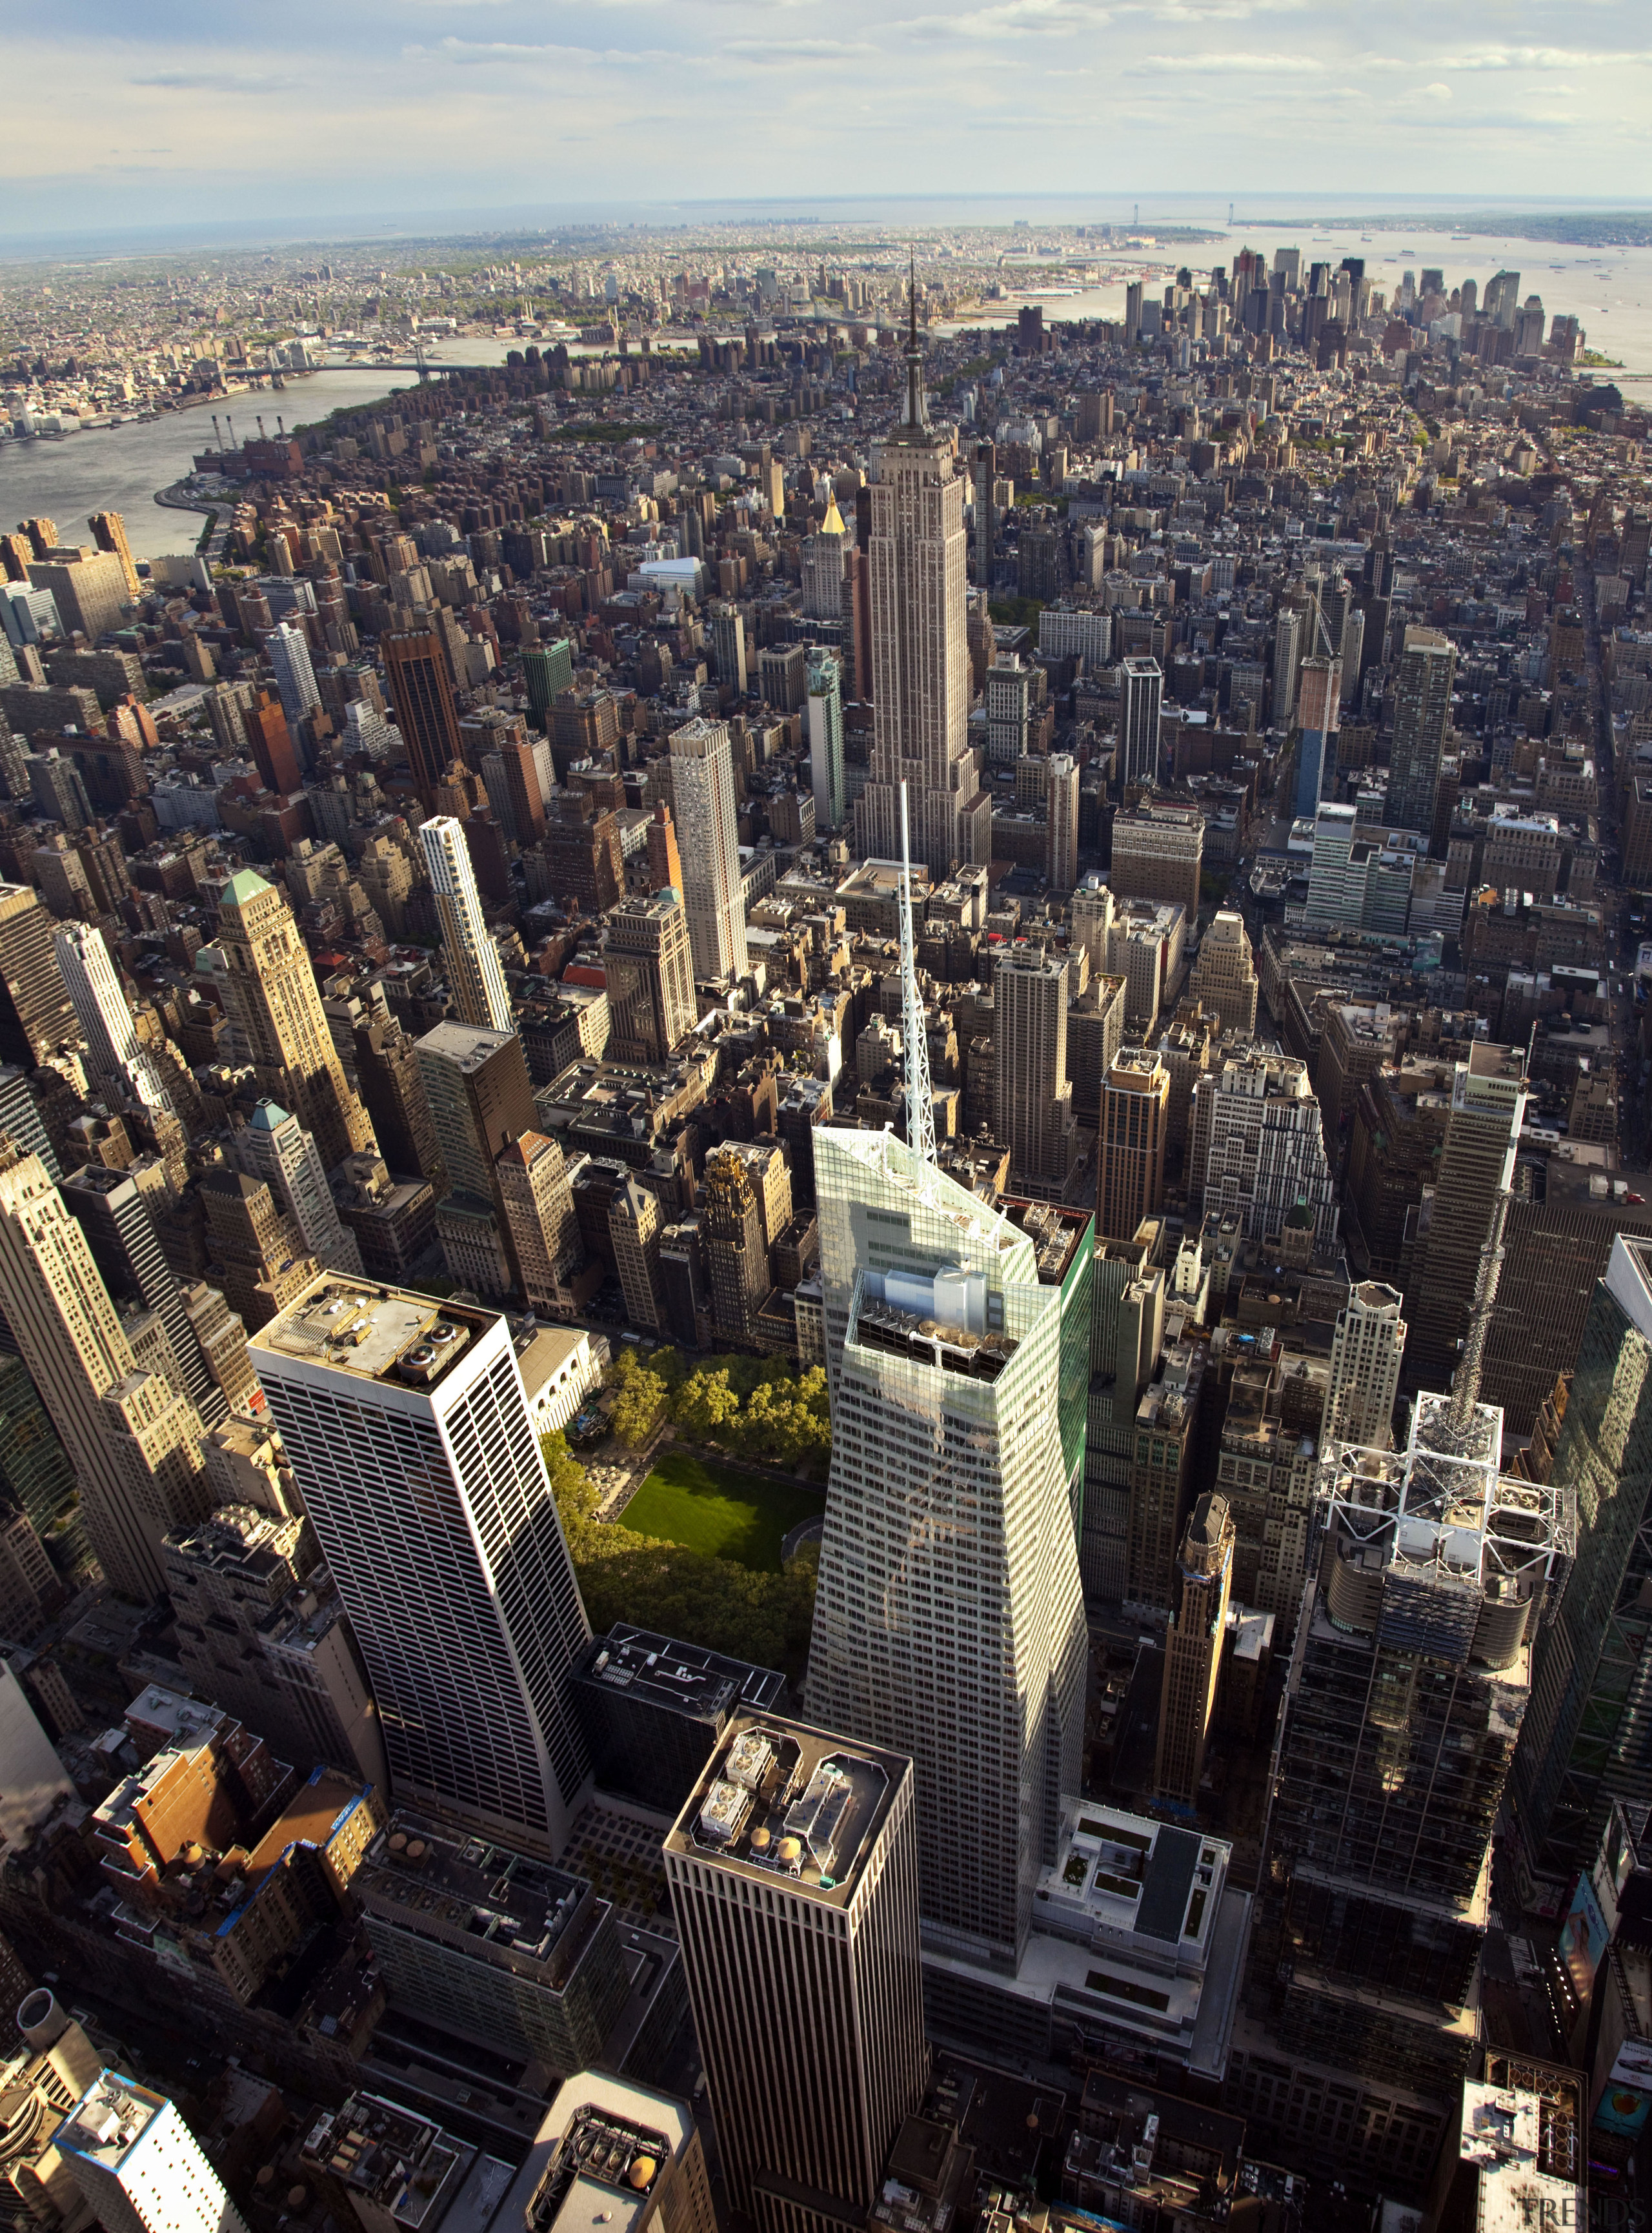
(921, 1107)
(1465, 1387)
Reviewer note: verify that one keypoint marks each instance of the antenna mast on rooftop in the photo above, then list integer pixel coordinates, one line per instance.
(921, 1107)
(1465, 1386)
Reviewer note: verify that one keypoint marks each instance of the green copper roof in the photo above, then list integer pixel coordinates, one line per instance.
(244, 885)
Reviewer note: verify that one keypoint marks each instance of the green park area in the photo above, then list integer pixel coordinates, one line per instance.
(721, 1510)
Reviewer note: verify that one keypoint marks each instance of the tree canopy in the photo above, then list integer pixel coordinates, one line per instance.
(624, 1575)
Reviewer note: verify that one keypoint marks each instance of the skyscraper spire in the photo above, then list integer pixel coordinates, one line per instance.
(917, 410)
(921, 1107)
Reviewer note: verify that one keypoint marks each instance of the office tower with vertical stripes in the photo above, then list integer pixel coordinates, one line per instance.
(408, 1434)
(826, 739)
(474, 975)
(650, 968)
(1033, 1096)
(1319, 704)
(115, 1063)
(1134, 1132)
(1061, 811)
(1488, 1097)
(793, 1871)
(702, 791)
(1141, 699)
(1421, 718)
(416, 665)
(1584, 1741)
(949, 1623)
(72, 1340)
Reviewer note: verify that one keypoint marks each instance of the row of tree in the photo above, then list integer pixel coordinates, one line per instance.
(751, 1407)
(624, 1575)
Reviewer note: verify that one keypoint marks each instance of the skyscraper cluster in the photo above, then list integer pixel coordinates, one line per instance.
(1046, 895)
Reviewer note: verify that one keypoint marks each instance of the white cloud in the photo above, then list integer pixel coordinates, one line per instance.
(787, 51)
(1242, 63)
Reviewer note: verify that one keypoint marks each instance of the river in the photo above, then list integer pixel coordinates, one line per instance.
(119, 468)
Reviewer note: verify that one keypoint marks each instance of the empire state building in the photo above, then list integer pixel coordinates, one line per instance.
(920, 653)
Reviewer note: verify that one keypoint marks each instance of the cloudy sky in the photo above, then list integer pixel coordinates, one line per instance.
(112, 116)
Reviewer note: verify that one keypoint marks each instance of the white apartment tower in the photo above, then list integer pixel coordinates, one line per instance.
(288, 649)
(1365, 1357)
(1260, 1142)
(1089, 917)
(115, 1063)
(702, 793)
(275, 1147)
(921, 687)
(949, 1624)
(793, 1871)
(407, 1430)
(139, 2167)
(474, 975)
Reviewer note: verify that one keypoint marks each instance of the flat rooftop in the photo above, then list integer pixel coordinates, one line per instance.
(375, 1332)
(467, 1046)
(780, 1799)
(111, 2116)
(597, 2157)
(684, 1678)
(1125, 1876)
(1054, 1230)
(502, 1903)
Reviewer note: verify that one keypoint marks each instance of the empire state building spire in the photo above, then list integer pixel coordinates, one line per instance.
(916, 413)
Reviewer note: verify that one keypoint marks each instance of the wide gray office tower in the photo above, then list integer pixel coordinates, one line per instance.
(407, 1429)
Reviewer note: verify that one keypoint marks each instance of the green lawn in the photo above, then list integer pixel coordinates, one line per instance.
(718, 1508)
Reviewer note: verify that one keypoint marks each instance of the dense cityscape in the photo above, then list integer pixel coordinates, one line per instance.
(826, 1246)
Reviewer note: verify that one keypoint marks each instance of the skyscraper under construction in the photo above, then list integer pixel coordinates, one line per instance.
(1432, 1576)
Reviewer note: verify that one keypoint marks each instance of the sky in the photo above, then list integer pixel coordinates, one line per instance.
(112, 116)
